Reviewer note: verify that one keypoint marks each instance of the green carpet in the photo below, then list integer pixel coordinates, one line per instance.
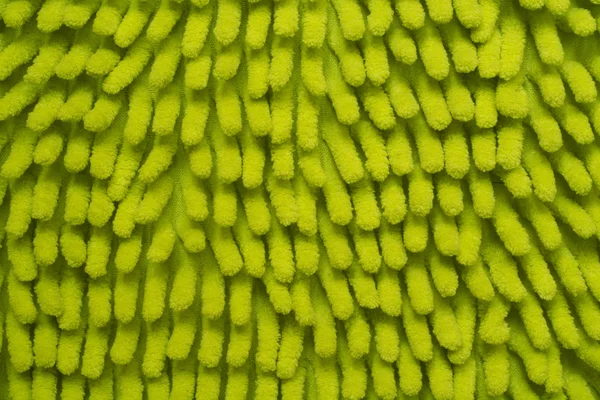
(299, 199)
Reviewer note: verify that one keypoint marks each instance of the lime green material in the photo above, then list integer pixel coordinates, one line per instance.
(299, 199)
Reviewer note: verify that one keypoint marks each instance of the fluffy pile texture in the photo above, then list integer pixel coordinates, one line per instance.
(299, 199)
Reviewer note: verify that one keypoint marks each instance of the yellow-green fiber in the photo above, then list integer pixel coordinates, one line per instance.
(299, 199)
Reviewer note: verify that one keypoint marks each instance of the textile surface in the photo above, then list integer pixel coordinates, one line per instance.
(299, 199)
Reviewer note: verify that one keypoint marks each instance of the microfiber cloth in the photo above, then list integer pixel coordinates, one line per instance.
(299, 199)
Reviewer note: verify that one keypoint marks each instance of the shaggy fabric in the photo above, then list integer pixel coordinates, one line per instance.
(299, 199)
